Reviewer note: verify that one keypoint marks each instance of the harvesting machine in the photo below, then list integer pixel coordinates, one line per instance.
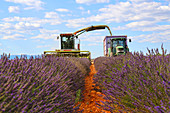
(115, 45)
(69, 40)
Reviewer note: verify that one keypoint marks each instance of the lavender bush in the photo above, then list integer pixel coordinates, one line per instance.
(101, 63)
(43, 84)
(135, 82)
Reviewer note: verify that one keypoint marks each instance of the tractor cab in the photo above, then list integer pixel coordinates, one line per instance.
(118, 46)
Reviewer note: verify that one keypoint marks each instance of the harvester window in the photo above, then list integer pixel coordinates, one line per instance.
(70, 42)
(67, 42)
(64, 38)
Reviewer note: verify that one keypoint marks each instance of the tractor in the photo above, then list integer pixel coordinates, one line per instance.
(115, 45)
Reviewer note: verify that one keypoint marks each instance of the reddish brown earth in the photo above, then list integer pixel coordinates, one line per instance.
(91, 96)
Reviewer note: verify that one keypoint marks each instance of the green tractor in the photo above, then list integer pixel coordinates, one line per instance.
(115, 45)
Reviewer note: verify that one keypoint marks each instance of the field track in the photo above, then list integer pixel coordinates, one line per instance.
(91, 96)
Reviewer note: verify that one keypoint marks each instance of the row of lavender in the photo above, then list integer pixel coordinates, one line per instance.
(135, 82)
(41, 84)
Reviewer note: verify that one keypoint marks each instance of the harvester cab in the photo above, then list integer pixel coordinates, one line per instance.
(69, 47)
(67, 41)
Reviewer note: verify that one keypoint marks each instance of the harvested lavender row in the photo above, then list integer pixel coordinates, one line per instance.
(136, 82)
(82, 65)
(38, 85)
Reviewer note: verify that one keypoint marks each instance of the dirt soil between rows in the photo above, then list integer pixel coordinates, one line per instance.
(91, 96)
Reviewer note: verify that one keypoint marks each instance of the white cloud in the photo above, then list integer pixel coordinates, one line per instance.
(139, 24)
(62, 10)
(156, 28)
(88, 11)
(16, 18)
(45, 36)
(152, 12)
(53, 21)
(32, 4)
(154, 37)
(14, 37)
(9, 29)
(126, 11)
(92, 1)
(6, 26)
(16, 28)
(81, 8)
(51, 15)
(27, 26)
(143, 26)
(137, 1)
(84, 1)
(77, 22)
(45, 31)
(13, 9)
(102, 1)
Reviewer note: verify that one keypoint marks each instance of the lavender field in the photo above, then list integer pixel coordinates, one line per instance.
(41, 84)
(138, 83)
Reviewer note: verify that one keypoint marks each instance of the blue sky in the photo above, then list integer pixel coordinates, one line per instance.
(31, 26)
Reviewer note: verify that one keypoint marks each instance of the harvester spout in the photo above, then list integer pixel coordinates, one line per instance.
(109, 30)
(91, 28)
